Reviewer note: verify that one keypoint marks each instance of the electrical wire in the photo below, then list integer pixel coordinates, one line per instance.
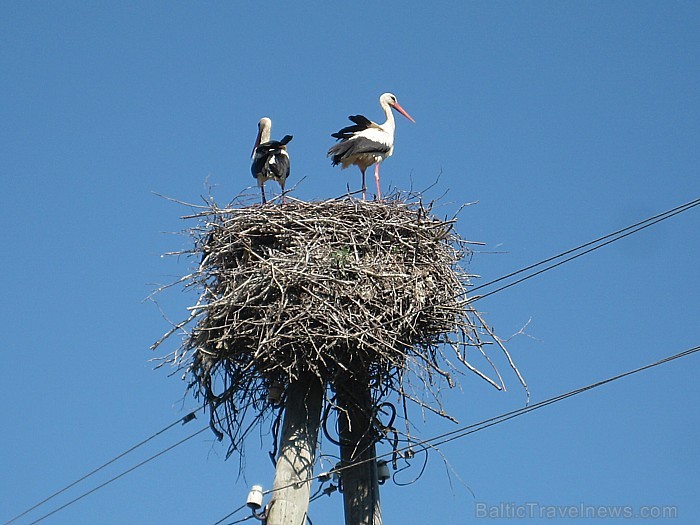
(594, 245)
(249, 517)
(98, 487)
(476, 427)
(470, 429)
(232, 513)
(184, 420)
(408, 466)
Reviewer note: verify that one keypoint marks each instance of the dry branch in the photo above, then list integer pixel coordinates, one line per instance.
(334, 288)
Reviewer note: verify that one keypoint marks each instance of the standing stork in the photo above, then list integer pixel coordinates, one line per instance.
(270, 158)
(367, 142)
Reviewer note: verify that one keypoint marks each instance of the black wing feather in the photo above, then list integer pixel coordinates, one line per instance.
(361, 124)
(270, 162)
(361, 120)
(356, 146)
(280, 169)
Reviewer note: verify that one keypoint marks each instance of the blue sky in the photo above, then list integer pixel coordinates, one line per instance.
(563, 121)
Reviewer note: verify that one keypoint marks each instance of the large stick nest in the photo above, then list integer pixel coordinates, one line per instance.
(335, 288)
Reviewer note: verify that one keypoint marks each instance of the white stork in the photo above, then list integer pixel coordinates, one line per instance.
(270, 158)
(367, 142)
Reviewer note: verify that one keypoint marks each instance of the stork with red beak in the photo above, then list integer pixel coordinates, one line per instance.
(367, 142)
(270, 158)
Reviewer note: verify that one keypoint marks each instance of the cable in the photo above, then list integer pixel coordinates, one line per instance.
(119, 476)
(249, 517)
(470, 429)
(613, 237)
(678, 209)
(231, 514)
(184, 420)
(475, 427)
(408, 465)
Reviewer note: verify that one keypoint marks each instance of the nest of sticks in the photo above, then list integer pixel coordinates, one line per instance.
(339, 289)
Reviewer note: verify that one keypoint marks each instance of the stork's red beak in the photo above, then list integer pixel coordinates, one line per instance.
(403, 112)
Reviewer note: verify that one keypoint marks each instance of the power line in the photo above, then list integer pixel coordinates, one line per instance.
(594, 245)
(470, 429)
(119, 475)
(182, 420)
(231, 514)
(249, 517)
(481, 425)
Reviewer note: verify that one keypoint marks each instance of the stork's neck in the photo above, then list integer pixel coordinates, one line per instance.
(390, 125)
(264, 128)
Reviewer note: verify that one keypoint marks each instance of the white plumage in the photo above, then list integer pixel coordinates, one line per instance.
(366, 142)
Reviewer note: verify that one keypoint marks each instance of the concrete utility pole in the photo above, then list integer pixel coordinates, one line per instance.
(295, 464)
(357, 445)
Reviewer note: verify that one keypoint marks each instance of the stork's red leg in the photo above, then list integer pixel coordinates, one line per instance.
(376, 178)
(262, 192)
